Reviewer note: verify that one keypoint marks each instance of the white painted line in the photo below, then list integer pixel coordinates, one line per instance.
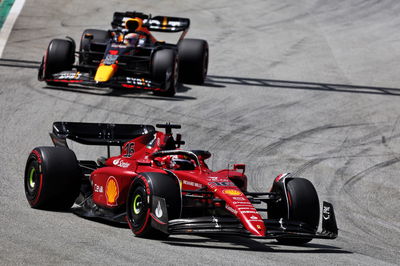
(9, 23)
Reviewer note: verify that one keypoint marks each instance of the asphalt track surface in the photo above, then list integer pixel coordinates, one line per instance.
(309, 87)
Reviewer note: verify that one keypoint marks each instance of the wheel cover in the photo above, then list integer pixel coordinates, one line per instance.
(137, 204)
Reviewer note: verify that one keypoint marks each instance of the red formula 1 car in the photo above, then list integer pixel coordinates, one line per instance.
(128, 56)
(160, 189)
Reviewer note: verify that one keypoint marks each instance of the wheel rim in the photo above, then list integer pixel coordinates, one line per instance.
(137, 204)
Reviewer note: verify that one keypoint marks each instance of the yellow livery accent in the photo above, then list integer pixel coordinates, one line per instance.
(105, 73)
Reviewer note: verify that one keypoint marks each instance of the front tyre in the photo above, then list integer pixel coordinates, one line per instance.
(302, 206)
(52, 178)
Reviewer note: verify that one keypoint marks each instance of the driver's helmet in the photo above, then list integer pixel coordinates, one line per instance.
(134, 24)
(131, 39)
(179, 162)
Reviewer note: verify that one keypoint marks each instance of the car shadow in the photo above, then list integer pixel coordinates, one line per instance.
(247, 244)
(122, 92)
(219, 81)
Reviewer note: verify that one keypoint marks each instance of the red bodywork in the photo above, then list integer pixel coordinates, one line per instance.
(111, 183)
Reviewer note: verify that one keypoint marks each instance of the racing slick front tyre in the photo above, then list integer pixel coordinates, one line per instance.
(303, 204)
(140, 201)
(88, 36)
(52, 178)
(193, 61)
(60, 56)
(165, 71)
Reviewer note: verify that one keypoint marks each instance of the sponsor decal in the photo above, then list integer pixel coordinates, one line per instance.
(159, 212)
(118, 162)
(98, 188)
(253, 217)
(222, 184)
(239, 198)
(258, 226)
(69, 75)
(246, 208)
(326, 213)
(215, 220)
(232, 192)
(249, 211)
(213, 178)
(112, 191)
(242, 202)
(232, 210)
(190, 183)
(281, 223)
(138, 81)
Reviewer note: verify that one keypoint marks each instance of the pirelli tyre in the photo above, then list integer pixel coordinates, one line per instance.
(165, 71)
(302, 206)
(59, 56)
(193, 61)
(143, 217)
(52, 178)
(89, 36)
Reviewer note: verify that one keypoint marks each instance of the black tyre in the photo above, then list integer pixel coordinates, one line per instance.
(98, 36)
(165, 71)
(139, 202)
(60, 56)
(303, 207)
(193, 61)
(52, 178)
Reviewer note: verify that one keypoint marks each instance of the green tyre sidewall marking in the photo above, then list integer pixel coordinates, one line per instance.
(31, 177)
(135, 201)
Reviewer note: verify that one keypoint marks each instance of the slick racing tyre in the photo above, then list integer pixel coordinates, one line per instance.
(193, 61)
(52, 178)
(140, 201)
(303, 207)
(165, 71)
(60, 56)
(89, 36)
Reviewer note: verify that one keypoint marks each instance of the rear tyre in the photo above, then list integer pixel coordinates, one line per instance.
(140, 200)
(303, 207)
(60, 56)
(52, 178)
(165, 71)
(193, 61)
(98, 36)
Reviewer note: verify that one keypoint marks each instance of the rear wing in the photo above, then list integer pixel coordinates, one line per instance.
(97, 133)
(158, 23)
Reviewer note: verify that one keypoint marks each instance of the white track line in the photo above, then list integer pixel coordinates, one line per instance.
(9, 23)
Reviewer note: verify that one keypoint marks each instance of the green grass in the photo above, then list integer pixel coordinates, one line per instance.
(5, 6)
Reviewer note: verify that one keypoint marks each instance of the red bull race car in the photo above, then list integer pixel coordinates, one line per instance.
(160, 189)
(128, 56)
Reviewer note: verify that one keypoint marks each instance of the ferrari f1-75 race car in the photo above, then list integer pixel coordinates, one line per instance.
(159, 189)
(128, 56)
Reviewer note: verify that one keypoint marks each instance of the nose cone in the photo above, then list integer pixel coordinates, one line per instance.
(104, 73)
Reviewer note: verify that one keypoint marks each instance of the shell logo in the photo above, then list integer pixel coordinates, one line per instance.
(232, 192)
(112, 191)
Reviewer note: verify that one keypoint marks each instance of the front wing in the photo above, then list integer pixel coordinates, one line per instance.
(276, 228)
(85, 79)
